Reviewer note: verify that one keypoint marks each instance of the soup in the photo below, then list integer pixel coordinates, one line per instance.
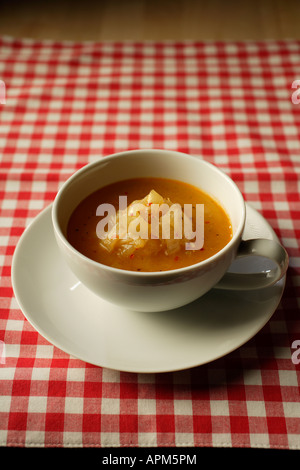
(148, 251)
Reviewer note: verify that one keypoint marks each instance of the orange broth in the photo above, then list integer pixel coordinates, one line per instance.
(81, 230)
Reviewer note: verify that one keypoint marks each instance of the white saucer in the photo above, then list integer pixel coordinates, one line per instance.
(83, 325)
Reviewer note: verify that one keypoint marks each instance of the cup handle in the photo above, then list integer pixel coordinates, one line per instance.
(260, 247)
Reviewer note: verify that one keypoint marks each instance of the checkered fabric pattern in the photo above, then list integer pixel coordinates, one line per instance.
(68, 104)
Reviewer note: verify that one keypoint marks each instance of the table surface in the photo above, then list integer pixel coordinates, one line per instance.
(143, 20)
(70, 103)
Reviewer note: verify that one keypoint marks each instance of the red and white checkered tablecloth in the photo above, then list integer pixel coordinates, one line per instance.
(70, 103)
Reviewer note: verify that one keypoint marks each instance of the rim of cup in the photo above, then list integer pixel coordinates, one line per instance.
(89, 166)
